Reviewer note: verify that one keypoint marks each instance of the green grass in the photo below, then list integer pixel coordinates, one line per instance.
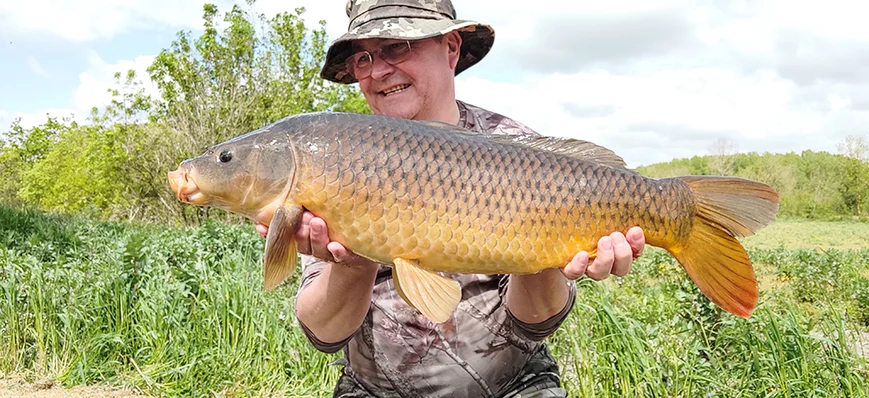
(801, 234)
(166, 311)
(181, 312)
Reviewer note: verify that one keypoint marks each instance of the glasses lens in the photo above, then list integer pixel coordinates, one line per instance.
(395, 52)
(359, 64)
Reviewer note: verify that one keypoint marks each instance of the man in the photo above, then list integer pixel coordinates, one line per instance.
(405, 54)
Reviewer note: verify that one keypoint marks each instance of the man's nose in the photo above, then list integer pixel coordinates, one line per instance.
(380, 68)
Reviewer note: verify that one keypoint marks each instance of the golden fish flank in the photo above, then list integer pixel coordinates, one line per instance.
(428, 197)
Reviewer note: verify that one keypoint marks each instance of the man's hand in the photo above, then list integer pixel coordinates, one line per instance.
(312, 238)
(615, 254)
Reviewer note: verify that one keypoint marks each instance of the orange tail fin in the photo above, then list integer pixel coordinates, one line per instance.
(726, 208)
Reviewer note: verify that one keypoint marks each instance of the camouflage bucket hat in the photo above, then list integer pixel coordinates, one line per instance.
(405, 20)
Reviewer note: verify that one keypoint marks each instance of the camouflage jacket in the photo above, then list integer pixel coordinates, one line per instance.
(479, 352)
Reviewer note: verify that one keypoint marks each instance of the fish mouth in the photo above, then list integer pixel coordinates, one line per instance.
(185, 189)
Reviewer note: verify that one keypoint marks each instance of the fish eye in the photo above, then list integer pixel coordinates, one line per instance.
(225, 156)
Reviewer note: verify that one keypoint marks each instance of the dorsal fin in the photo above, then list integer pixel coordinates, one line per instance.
(572, 147)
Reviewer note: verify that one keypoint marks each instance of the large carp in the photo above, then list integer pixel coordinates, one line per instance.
(429, 197)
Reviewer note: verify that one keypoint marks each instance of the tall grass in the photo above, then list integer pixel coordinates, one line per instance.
(167, 311)
(175, 311)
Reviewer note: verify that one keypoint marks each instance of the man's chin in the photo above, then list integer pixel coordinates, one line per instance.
(398, 110)
(399, 105)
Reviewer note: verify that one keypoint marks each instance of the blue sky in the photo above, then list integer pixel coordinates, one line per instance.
(653, 79)
(46, 74)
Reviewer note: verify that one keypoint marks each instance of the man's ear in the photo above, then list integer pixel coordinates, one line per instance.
(454, 46)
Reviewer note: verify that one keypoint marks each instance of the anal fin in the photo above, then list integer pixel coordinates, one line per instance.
(280, 252)
(435, 296)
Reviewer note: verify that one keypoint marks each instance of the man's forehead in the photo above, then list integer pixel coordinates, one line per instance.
(370, 44)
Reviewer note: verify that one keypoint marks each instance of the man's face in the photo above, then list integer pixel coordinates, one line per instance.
(419, 85)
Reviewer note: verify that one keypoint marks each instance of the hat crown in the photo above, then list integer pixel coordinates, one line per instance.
(360, 11)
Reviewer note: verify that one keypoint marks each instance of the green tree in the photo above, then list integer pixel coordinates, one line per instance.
(810, 184)
(81, 174)
(252, 72)
(819, 181)
(723, 157)
(855, 184)
(22, 148)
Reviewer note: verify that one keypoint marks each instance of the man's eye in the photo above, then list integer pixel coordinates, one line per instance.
(363, 59)
(396, 48)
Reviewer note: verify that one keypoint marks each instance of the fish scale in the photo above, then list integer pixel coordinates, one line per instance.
(481, 193)
(431, 198)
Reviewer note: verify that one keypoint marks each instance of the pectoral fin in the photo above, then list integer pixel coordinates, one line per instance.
(592, 254)
(435, 296)
(280, 255)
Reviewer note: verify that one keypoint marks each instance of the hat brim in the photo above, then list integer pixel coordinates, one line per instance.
(477, 40)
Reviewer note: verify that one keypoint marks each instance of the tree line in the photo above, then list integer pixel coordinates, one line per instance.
(245, 71)
(818, 185)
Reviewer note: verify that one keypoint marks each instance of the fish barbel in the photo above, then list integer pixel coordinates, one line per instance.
(431, 198)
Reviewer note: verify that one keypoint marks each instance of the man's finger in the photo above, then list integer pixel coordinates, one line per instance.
(622, 254)
(603, 263)
(343, 255)
(637, 239)
(262, 229)
(320, 239)
(303, 236)
(338, 251)
(577, 266)
(305, 226)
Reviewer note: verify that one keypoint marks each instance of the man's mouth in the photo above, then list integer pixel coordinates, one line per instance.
(395, 89)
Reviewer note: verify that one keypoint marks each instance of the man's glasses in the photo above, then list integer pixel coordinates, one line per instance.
(359, 65)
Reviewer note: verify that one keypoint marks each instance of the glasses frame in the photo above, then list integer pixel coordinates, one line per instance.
(378, 52)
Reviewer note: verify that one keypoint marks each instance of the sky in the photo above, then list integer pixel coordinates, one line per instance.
(652, 80)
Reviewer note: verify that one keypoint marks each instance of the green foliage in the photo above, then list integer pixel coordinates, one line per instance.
(244, 71)
(168, 311)
(654, 335)
(815, 276)
(810, 184)
(855, 185)
(21, 149)
(181, 312)
(251, 72)
(819, 178)
(82, 174)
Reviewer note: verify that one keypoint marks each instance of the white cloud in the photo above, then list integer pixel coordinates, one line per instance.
(92, 91)
(835, 19)
(95, 82)
(660, 115)
(28, 120)
(36, 67)
(84, 21)
(96, 19)
(772, 75)
(315, 10)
